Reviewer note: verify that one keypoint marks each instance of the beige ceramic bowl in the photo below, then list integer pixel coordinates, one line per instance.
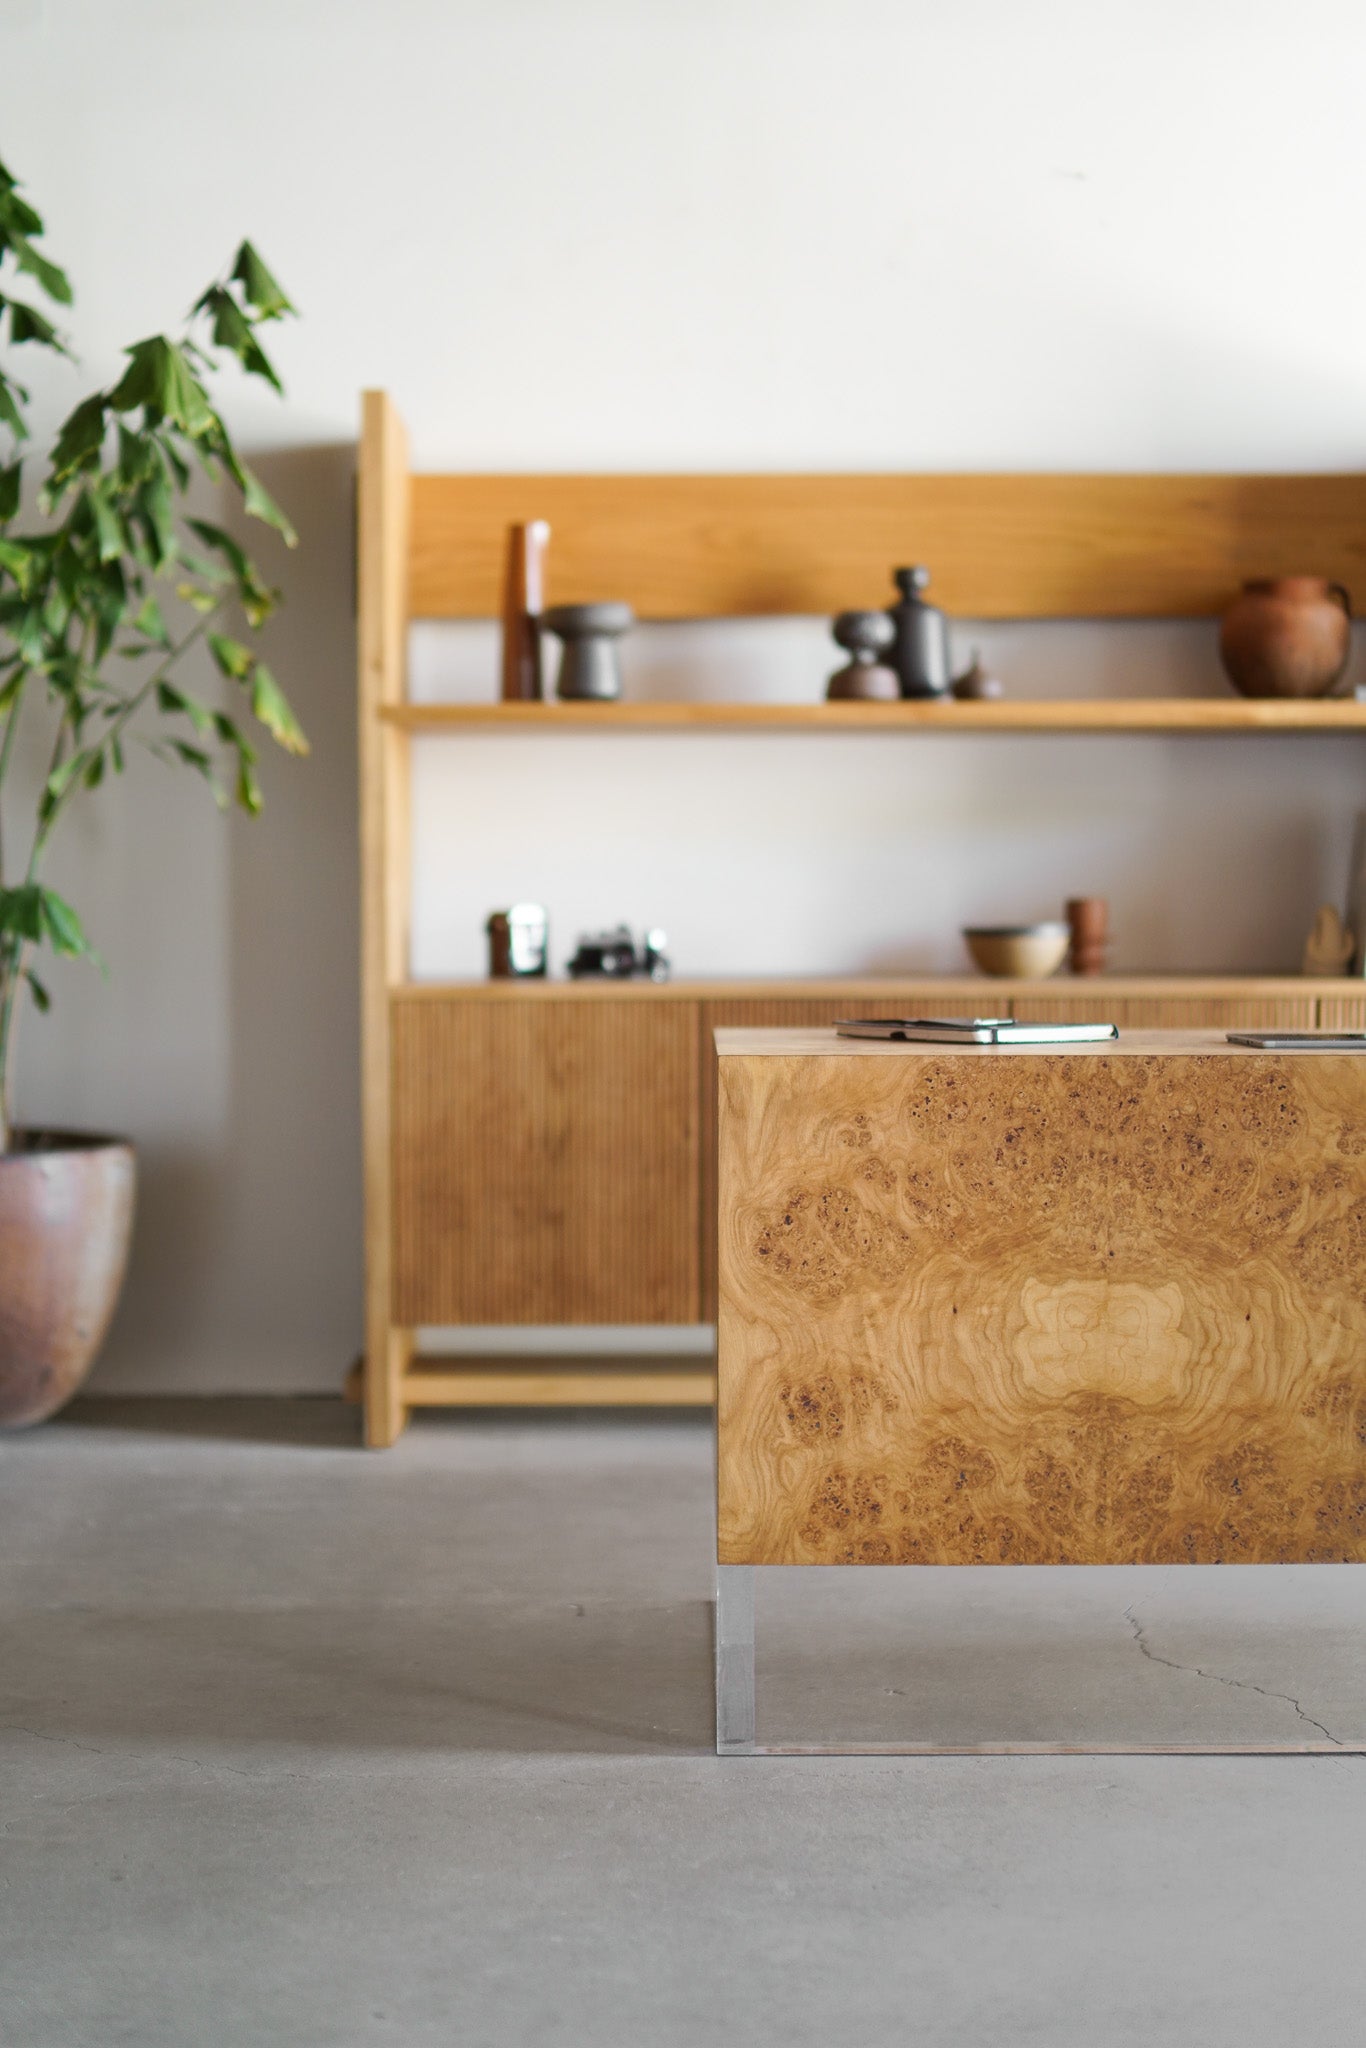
(1020, 952)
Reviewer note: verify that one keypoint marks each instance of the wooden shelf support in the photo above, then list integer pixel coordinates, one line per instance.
(382, 623)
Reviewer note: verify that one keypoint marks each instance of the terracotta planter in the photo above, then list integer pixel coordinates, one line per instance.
(66, 1215)
(1286, 636)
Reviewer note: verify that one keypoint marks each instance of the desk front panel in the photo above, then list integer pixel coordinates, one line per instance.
(1035, 1310)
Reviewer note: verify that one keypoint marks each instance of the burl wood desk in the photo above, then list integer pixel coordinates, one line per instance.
(1098, 1304)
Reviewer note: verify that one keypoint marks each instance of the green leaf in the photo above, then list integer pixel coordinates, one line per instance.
(234, 660)
(259, 288)
(201, 600)
(53, 280)
(61, 779)
(26, 323)
(233, 736)
(94, 774)
(224, 544)
(158, 512)
(80, 440)
(150, 622)
(63, 928)
(159, 379)
(21, 912)
(269, 704)
(248, 788)
(109, 527)
(18, 559)
(9, 411)
(256, 500)
(171, 699)
(11, 481)
(258, 600)
(41, 999)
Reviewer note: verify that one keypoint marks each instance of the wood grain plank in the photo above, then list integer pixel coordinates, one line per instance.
(462, 1383)
(382, 634)
(545, 1163)
(1034, 1308)
(994, 715)
(999, 546)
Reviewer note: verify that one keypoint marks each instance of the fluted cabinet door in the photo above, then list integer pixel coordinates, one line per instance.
(545, 1161)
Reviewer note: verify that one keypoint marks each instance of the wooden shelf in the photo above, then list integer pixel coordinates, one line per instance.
(873, 988)
(1056, 714)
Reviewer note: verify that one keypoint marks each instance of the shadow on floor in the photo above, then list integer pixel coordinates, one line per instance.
(260, 1687)
(322, 1421)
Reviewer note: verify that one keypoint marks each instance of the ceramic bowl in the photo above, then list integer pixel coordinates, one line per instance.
(1021, 952)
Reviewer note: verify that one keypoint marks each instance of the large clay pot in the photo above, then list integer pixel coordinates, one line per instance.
(66, 1215)
(1287, 636)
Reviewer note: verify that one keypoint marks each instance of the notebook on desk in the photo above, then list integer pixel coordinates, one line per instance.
(973, 1031)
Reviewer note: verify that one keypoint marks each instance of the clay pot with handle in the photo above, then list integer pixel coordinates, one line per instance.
(1286, 636)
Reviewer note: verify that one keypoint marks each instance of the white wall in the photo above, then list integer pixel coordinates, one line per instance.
(726, 233)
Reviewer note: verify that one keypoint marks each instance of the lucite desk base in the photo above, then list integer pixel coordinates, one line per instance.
(737, 1721)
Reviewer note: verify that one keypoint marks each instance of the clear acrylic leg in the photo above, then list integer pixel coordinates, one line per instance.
(735, 1660)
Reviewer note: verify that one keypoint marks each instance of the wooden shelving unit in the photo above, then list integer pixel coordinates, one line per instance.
(544, 1152)
(1001, 715)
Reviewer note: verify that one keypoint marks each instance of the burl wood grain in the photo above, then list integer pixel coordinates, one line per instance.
(978, 1309)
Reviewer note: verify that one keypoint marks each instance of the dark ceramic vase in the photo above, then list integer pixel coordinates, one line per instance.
(66, 1216)
(1286, 636)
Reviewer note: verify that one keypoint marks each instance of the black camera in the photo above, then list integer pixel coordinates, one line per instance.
(613, 955)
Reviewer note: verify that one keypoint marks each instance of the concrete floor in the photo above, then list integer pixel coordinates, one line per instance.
(301, 1748)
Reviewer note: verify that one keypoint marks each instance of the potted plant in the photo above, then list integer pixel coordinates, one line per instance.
(102, 596)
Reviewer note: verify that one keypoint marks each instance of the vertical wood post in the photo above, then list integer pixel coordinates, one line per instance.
(382, 508)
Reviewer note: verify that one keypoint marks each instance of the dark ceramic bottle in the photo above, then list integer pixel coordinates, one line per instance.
(920, 653)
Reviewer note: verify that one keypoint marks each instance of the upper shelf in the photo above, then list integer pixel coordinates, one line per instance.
(1090, 714)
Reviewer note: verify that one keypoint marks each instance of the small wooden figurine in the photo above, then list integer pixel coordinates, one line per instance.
(1330, 946)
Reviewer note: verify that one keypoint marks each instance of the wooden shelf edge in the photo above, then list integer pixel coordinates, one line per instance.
(884, 988)
(1057, 715)
(433, 1382)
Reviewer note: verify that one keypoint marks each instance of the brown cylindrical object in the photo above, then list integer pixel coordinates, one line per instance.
(523, 602)
(1089, 920)
(499, 930)
(66, 1215)
(1286, 636)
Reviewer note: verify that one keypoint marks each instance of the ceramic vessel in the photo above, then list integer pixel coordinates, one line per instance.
(589, 634)
(920, 652)
(66, 1215)
(1022, 952)
(1286, 636)
(865, 635)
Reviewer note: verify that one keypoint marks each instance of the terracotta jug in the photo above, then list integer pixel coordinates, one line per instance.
(1286, 636)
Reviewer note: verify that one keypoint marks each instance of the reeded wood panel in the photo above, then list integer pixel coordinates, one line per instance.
(1042, 1308)
(1344, 1012)
(1167, 1013)
(545, 1162)
(999, 546)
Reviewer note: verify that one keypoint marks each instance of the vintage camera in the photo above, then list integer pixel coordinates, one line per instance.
(613, 955)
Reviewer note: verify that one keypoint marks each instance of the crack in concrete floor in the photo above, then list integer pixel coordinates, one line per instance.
(1242, 1684)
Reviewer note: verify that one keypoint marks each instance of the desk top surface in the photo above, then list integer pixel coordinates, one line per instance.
(765, 1044)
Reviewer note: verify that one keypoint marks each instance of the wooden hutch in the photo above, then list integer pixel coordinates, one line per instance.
(543, 1152)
